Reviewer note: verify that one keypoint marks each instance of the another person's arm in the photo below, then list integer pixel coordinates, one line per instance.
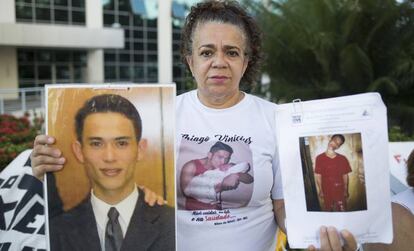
(280, 215)
(403, 228)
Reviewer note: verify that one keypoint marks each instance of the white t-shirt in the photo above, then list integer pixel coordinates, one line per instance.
(405, 199)
(241, 218)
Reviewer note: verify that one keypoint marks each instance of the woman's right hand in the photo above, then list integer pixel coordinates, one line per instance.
(44, 157)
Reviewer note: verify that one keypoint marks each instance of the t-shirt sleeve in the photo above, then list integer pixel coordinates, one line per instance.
(346, 168)
(277, 189)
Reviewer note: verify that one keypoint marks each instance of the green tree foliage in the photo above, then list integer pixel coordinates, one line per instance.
(327, 48)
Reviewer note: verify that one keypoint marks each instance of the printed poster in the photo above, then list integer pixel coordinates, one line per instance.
(116, 139)
(334, 161)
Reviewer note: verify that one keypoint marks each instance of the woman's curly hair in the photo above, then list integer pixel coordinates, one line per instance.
(226, 11)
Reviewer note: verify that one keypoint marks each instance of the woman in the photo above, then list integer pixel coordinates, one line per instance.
(402, 216)
(221, 46)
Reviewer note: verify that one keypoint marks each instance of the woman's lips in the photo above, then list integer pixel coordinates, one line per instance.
(219, 79)
(111, 172)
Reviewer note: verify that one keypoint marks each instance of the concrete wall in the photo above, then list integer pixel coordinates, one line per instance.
(8, 71)
(94, 19)
(60, 36)
(7, 11)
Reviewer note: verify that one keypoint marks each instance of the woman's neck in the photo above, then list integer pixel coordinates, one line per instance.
(220, 102)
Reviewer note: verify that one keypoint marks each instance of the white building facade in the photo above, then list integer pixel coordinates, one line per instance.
(81, 41)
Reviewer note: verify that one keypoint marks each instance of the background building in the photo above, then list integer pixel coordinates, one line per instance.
(79, 41)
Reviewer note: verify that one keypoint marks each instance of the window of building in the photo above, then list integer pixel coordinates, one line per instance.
(40, 67)
(137, 61)
(70, 12)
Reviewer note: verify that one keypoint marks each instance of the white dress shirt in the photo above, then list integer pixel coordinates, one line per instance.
(125, 208)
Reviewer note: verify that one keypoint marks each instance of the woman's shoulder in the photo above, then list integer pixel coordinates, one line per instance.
(262, 103)
(405, 199)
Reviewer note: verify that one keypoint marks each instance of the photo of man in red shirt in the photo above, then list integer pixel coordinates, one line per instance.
(331, 173)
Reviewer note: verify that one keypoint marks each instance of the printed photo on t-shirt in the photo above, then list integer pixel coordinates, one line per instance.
(213, 174)
(333, 172)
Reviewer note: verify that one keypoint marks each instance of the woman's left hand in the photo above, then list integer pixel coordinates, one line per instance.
(151, 198)
(330, 240)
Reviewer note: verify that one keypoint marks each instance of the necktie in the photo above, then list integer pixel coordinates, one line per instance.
(113, 233)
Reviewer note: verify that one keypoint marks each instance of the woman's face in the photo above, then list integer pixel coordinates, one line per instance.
(218, 61)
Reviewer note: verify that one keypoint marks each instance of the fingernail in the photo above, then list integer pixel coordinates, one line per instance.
(49, 140)
(56, 153)
(61, 160)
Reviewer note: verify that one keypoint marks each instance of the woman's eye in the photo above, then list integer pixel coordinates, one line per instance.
(233, 53)
(206, 53)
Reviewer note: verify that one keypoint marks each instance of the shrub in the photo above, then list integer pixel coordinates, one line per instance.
(17, 135)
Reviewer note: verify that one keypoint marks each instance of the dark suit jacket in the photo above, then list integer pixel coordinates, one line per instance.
(150, 228)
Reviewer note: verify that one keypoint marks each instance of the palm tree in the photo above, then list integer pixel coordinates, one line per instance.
(327, 48)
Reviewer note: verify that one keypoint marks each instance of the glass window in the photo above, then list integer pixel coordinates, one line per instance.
(51, 66)
(152, 35)
(21, 2)
(127, 33)
(61, 2)
(109, 19)
(62, 56)
(124, 72)
(108, 4)
(124, 58)
(26, 71)
(176, 57)
(176, 47)
(139, 58)
(138, 72)
(44, 72)
(24, 12)
(127, 45)
(177, 71)
(124, 20)
(138, 34)
(80, 3)
(138, 21)
(62, 72)
(61, 16)
(124, 5)
(42, 2)
(109, 57)
(78, 17)
(176, 36)
(152, 58)
(152, 23)
(79, 57)
(152, 72)
(78, 73)
(44, 56)
(152, 46)
(110, 72)
(25, 56)
(138, 46)
(43, 14)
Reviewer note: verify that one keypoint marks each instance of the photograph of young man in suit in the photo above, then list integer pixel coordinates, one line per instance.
(114, 216)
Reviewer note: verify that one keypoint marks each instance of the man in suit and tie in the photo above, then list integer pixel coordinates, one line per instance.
(114, 216)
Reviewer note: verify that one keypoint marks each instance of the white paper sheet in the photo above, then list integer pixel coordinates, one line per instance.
(304, 130)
